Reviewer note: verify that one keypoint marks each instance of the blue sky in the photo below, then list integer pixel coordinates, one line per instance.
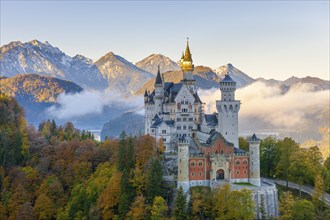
(273, 39)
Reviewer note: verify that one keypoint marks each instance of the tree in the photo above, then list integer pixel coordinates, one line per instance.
(287, 147)
(300, 169)
(318, 194)
(243, 144)
(269, 156)
(154, 181)
(180, 205)
(286, 206)
(109, 199)
(303, 210)
(44, 207)
(138, 209)
(159, 208)
(221, 204)
(200, 202)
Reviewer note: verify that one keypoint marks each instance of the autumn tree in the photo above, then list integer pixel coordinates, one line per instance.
(303, 210)
(13, 136)
(286, 206)
(159, 208)
(44, 208)
(200, 202)
(138, 209)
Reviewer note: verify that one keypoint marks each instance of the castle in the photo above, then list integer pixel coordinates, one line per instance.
(206, 144)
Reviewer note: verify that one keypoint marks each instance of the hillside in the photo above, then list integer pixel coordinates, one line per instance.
(36, 88)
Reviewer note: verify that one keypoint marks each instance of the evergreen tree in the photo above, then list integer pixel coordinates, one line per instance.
(154, 181)
(180, 205)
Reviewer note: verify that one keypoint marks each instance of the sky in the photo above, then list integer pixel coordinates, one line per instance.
(272, 39)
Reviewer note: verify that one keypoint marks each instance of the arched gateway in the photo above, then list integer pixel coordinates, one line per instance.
(220, 174)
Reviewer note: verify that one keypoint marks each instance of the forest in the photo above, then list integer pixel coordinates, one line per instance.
(60, 172)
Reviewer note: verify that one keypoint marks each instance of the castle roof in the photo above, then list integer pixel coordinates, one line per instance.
(187, 54)
(254, 138)
(159, 80)
(170, 91)
(158, 122)
(211, 119)
(227, 79)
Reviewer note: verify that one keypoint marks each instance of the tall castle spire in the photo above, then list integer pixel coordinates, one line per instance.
(186, 64)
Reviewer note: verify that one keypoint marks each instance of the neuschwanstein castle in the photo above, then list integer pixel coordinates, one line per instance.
(207, 144)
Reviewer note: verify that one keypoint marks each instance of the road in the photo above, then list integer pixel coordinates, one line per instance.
(306, 189)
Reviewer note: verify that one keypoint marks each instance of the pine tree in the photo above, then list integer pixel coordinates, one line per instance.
(180, 205)
(154, 181)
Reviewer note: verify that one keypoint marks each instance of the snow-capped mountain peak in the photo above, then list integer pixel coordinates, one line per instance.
(150, 64)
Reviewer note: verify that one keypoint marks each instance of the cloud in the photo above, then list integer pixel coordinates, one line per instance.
(92, 102)
(266, 108)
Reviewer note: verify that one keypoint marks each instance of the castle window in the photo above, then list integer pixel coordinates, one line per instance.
(164, 131)
(190, 127)
(184, 119)
(193, 174)
(164, 139)
(190, 119)
(182, 102)
(221, 152)
(244, 171)
(200, 163)
(192, 164)
(237, 172)
(237, 162)
(186, 102)
(200, 174)
(184, 127)
(153, 130)
(216, 152)
(178, 119)
(178, 127)
(245, 162)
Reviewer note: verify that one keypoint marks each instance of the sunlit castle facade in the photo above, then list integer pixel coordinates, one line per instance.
(206, 144)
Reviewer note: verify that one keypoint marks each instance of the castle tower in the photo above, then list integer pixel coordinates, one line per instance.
(187, 67)
(183, 164)
(228, 109)
(159, 94)
(254, 161)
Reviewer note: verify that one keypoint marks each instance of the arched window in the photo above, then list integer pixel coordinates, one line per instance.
(245, 162)
(237, 172)
(192, 174)
(192, 164)
(200, 174)
(200, 163)
(237, 162)
(244, 171)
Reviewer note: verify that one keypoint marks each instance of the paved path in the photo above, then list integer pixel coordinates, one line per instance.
(306, 189)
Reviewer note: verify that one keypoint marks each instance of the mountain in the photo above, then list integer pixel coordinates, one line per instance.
(37, 88)
(36, 93)
(130, 122)
(205, 78)
(319, 83)
(120, 74)
(241, 78)
(150, 64)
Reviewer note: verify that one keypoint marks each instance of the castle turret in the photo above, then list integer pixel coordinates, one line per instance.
(159, 94)
(254, 161)
(228, 109)
(145, 96)
(187, 67)
(183, 162)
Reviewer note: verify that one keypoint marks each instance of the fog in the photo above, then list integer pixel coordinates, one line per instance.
(299, 112)
(93, 102)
